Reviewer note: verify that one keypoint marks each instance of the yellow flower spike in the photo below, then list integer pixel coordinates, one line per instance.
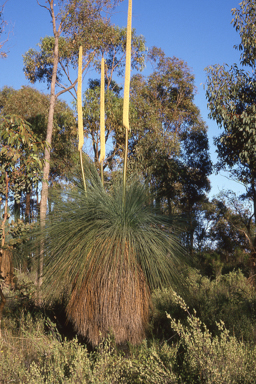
(102, 112)
(80, 112)
(127, 68)
(127, 92)
(79, 101)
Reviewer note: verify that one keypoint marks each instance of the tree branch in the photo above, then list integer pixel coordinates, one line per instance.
(72, 86)
(44, 6)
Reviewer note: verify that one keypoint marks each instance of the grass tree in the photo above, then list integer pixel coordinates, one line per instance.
(106, 249)
(105, 257)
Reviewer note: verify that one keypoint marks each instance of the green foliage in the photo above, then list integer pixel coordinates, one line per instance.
(83, 25)
(228, 242)
(33, 107)
(166, 123)
(151, 363)
(16, 233)
(204, 358)
(196, 162)
(163, 106)
(113, 120)
(22, 133)
(244, 23)
(233, 227)
(229, 298)
(231, 100)
(170, 88)
(19, 154)
(69, 362)
(33, 351)
(113, 49)
(191, 181)
(38, 64)
(230, 94)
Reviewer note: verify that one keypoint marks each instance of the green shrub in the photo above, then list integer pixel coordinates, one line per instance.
(229, 298)
(150, 364)
(29, 355)
(33, 351)
(202, 358)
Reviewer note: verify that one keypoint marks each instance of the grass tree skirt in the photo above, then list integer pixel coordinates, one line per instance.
(115, 302)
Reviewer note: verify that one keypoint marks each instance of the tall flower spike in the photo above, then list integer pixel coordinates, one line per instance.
(102, 112)
(79, 101)
(127, 92)
(127, 68)
(80, 112)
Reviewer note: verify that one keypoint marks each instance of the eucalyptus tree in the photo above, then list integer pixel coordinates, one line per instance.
(20, 166)
(244, 23)
(162, 112)
(232, 231)
(20, 149)
(193, 169)
(33, 106)
(164, 100)
(114, 134)
(231, 97)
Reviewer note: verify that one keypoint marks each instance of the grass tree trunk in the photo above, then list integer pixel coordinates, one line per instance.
(47, 154)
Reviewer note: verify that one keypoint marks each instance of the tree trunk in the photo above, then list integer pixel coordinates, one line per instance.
(2, 251)
(169, 206)
(47, 154)
(17, 209)
(27, 209)
(7, 273)
(5, 217)
(254, 197)
(191, 234)
(252, 260)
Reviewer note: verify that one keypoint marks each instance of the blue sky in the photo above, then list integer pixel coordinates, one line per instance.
(198, 32)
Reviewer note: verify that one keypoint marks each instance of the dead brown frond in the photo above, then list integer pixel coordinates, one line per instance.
(115, 301)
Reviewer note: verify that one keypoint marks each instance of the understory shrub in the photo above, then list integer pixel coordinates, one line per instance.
(30, 354)
(204, 358)
(229, 298)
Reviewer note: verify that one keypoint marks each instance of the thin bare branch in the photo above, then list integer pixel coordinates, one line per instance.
(43, 6)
